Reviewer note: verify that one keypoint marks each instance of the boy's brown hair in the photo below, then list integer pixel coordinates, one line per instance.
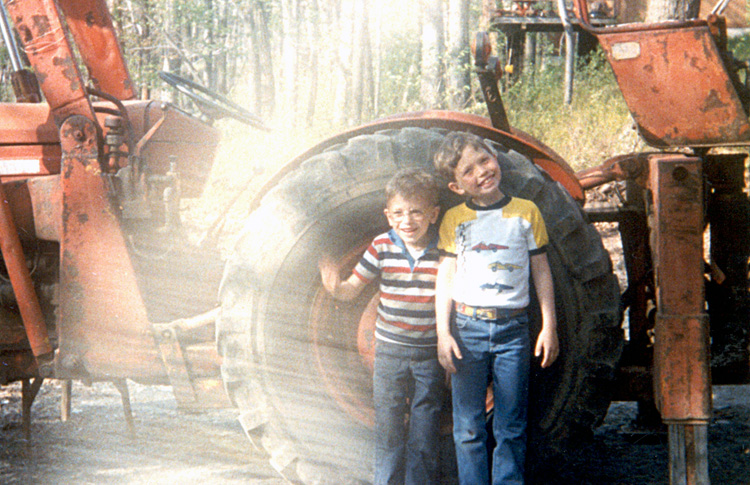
(450, 151)
(413, 182)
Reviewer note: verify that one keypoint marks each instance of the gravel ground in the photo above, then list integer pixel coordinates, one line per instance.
(94, 446)
(618, 456)
(173, 447)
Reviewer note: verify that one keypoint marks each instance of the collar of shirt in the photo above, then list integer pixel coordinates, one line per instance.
(432, 234)
(497, 205)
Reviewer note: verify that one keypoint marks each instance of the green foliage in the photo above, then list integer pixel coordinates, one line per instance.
(6, 88)
(740, 47)
(197, 39)
(594, 127)
(399, 73)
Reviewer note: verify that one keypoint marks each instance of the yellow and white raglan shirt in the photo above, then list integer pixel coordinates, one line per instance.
(493, 246)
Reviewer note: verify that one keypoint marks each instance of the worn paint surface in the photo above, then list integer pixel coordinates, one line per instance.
(91, 26)
(49, 52)
(104, 331)
(20, 278)
(681, 360)
(676, 85)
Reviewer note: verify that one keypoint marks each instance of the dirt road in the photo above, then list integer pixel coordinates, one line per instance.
(171, 447)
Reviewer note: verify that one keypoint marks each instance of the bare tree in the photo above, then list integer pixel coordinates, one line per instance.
(433, 50)
(660, 10)
(343, 16)
(260, 59)
(362, 79)
(289, 45)
(314, 44)
(459, 58)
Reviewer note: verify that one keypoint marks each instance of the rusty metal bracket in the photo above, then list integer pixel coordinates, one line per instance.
(682, 380)
(40, 29)
(90, 25)
(103, 329)
(23, 287)
(29, 390)
(176, 366)
(488, 71)
(187, 391)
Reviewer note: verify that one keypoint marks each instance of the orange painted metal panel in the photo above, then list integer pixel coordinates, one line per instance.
(102, 322)
(682, 379)
(29, 160)
(50, 54)
(91, 26)
(676, 85)
(26, 123)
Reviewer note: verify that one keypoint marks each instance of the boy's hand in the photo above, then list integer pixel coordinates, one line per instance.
(447, 348)
(329, 274)
(547, 346)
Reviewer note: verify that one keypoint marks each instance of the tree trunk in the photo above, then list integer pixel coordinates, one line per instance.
(254, 61)
(377, 60)
(661, 10)
(209, 75)
(314, 35)
(344, 18)
(267, 80)
(459, 57)
(289, 44)
(432, 86)
(488, 6)
(361, 63)
(223, 63)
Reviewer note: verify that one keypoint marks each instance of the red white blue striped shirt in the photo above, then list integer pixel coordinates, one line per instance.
(406, 312)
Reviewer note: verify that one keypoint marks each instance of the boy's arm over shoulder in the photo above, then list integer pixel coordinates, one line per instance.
(547, 345)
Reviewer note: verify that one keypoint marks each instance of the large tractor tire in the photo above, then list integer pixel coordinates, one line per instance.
(297, 364)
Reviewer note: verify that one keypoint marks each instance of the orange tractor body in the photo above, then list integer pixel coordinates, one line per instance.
(91, 180)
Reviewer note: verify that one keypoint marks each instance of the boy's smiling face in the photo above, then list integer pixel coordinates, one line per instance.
(477, 175)
(410, 217)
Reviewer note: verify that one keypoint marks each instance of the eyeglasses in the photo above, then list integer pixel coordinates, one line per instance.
(413, 214)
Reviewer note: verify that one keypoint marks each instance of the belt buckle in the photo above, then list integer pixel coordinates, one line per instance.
(486, 313)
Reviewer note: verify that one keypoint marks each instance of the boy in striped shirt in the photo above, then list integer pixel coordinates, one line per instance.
(408, 379)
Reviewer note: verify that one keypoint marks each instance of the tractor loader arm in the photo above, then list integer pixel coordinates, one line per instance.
(102, 174)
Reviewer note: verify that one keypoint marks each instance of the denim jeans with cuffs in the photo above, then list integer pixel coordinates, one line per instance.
(495, 352)
(408, 394)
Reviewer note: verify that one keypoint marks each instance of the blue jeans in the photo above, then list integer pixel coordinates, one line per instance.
(497, 352)
(408, 392)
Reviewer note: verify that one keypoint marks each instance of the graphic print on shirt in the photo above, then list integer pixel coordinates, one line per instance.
(500, 266)
(498, 287)
(488, 247)
(462, 238)
(493, 247)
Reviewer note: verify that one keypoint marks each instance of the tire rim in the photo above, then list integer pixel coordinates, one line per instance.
(325, 314)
